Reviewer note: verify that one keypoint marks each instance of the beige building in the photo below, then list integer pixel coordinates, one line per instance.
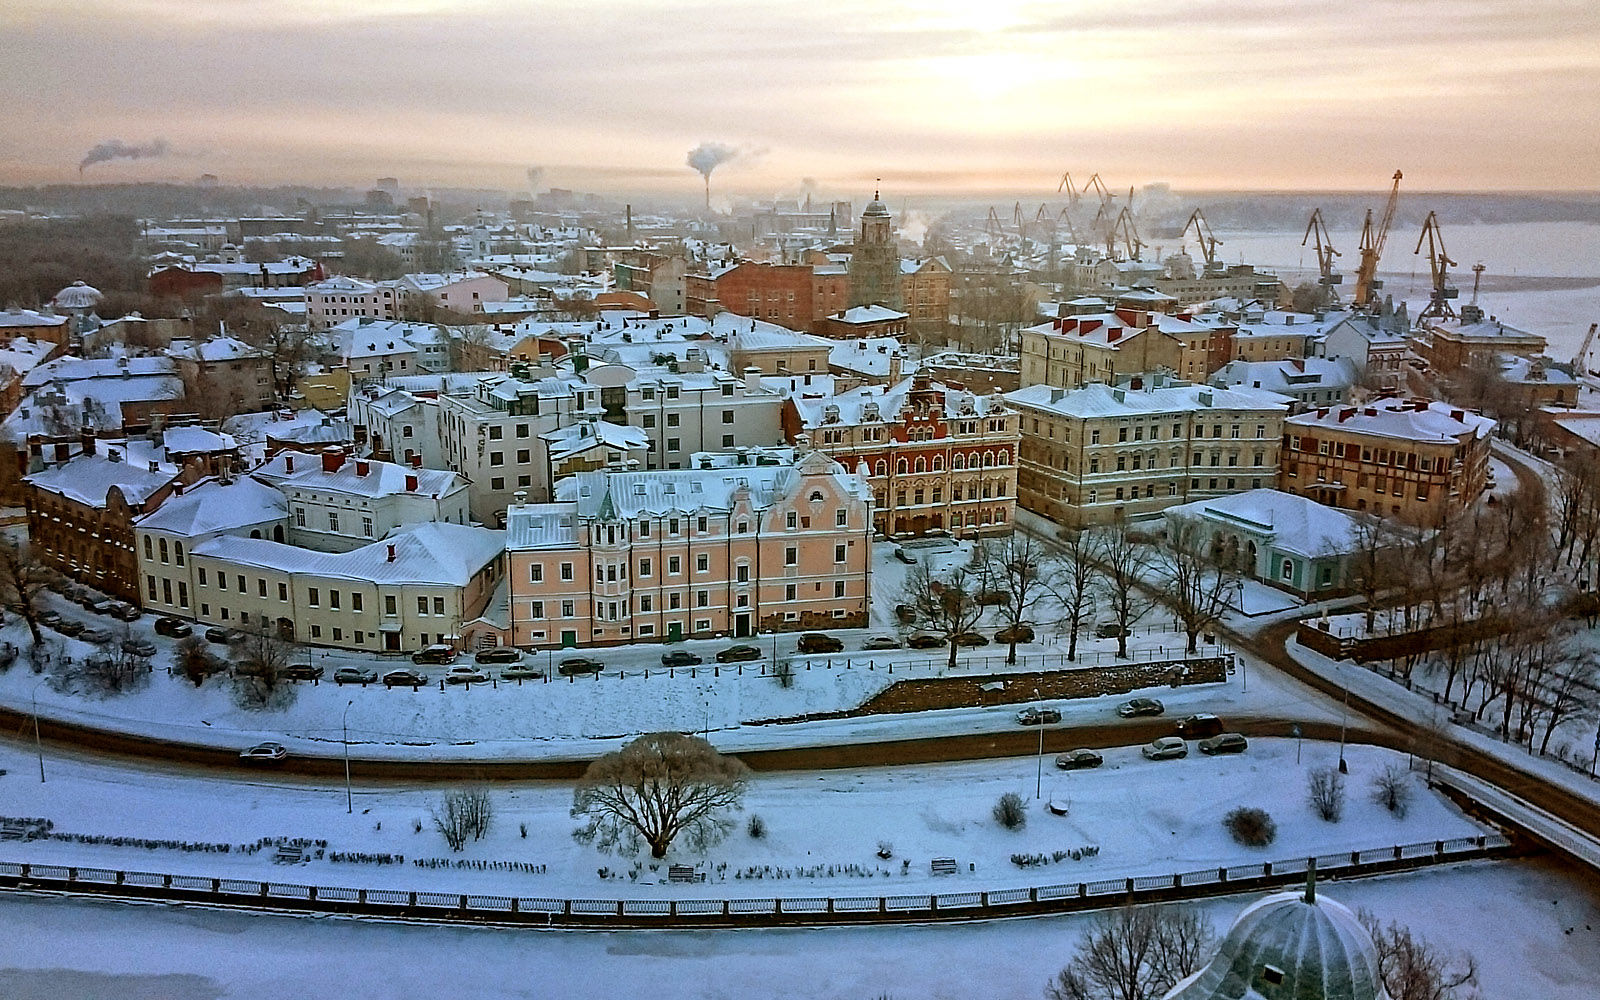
(1102, 453)
(1072, 351)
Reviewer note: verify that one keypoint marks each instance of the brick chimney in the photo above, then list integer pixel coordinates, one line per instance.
(391, 553)
(416, 461)
(332, 459)
(288, 463)
(86, 439)
(411, 482)
(362, 467)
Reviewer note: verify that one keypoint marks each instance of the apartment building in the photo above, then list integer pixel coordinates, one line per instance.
(340, 298)
(224, 374)
(1102, 453)
(1072, 351)
(628, 556)
(338, 503)
(1416, 460)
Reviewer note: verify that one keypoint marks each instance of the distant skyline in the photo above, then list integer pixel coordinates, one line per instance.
(938, 96)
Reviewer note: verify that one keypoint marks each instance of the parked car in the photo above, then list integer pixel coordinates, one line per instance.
(905, 613)
(1031, 716)
(225, 636)
(1074, 760)
(98, 636)
(574, 665)
(1198, 726)
(438, 653)
(264, 753)
(498, 654)
(925, 640)
(904, 556)
(736, 654)
(177, 628)
(138, 647)
(520, 673)
(86, 599)
(1021, 633)
(302, 672)
(1140, 706)
(466, 674)
(126, 612)
(104, 606)
(971, 639)
(1110, 630)
(820, 642)
(70, 626)
(354, 675)
(49, 619)
(1224, 743)
(1165, 748)
(680, 658)
(403, 678)
(881, 642)
(989, 598)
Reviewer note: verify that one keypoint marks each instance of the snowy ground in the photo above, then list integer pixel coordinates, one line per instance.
(1538, 936)
(815, 821)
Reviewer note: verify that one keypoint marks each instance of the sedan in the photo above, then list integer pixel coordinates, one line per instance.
(905, 557)
(881, 642)
(139, 647)
(1165, 748)
(680, 658)
(738, 653)
(1014, 633)
(50, 619)
(925, 640)
(70, 626)
(438, 653)
(98, 636)
(1224, 743)
(403, 678)
(302, 672)
(225, 636)
(126, 612)
(1074, 760)
(105, 606)
(354, 675)
(465, 674)
(1111, 630)
(264, 753)
(1140, 706)
(971, 639)
(498, 654)
(521, 674)
(574, 665)
(177, 628)
(1038, 717)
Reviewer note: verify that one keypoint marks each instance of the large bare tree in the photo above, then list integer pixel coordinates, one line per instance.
(1134, 953)
(22, 578)
(656, 789)
(259, 662)
(1124, 564)
(1019, 571)
(1073, 584)
(947, 607)
(1412, 968)
(1197, 582)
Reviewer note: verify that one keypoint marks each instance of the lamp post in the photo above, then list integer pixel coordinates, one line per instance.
(1344, 719)
(38, 747)
(349, 806)
(1038, 780)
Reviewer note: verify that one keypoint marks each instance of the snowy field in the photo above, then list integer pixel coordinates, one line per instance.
(1534, 931)
(822, 837)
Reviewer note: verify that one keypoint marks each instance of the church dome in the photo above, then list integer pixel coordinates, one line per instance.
(1290, 945)
(77, 295)
(875, 207)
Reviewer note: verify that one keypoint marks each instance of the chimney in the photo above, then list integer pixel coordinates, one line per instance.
(177, 487)
(391, 553)
(63, 451)
(362, 467)
(1457, 415)
(752, 379)
(332, 459)
(411, 483)
(155, 466)
(86, 438)
(288, 463)
(416, 461)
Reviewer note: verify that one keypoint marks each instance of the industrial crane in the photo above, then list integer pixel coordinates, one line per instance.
(1130, 233)
(993, 230)
(1021, 222)
(1099, 187)
(1439, 265)
(1580, 362)
(1202, 233)
(1372, 240)
(1318, 230)
(1066, 185)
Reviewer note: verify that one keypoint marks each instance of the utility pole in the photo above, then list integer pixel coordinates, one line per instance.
(349, 806)
(38, 747)
(1038, 781)
(1344, 719)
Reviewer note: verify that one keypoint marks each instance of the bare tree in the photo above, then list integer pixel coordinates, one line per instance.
(1124, 563)
(22, 578)
(1392, 789)
(947, 608)
(462, 814)
(258, 666)
(1375, 567)
(1019, 569)
(660, 786)
(469, 346)
(1325, 793)
(1197, 582)
(192, 657)
(1412, 968)
(1134, 953)
(1074, 585)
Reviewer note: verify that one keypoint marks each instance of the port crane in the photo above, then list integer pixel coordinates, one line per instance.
(1318, 230)
(1372, 240)
(993, 230)
(1202, 233)
(1439, 265)
(1020, 222)
(1580, 363)
(1066, 185)
(1098, 186)
(1129, 232)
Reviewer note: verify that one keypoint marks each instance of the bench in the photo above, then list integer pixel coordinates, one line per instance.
(287, 855)
(13, 831)
(943, 866)
(684, 873)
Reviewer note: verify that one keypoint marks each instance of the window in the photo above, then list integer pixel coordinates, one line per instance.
(366, 526)
(568, 609)
(674, 565)
(791, 521)
(163, 550)
(649, 420)
(536, 573)
(727, 415)
(566, 571)
(742, 573)
(148, 554)
(838, 588)
(791, 556)
(438, 605)
(700, 525)
(333, 599)
(838, 553)
(788, 591)
(841, 517)
(494, 433)
(644, 567)
(300, 517)
(702, 563)
(313, 598)
(702, 598)
(645, 603)
(727, 440)
(261, 587)
(536, 610)
(283, 592)
(389, 605)
(355, 600)
(422, 605)
(333, 521)
(673, 420)
(674, 444)
(674, 601)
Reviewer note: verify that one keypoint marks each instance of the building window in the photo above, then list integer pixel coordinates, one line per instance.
(838, 553)
(536, 573)
(283, 592)
(389, 605)
(702, 598)
(313, 598)
(300, 517)
(333, 521)
(838, 588)
(568, 609)
(790, 521)
(355, 600)
(422, 605)
(333, 599)
(366, 526)
(702, 563)
(566, 571)
(791, 556)
(438, 605)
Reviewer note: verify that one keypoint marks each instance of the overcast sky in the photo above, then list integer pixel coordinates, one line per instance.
(932, 95)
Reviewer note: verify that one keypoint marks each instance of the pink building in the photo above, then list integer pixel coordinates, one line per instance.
(667, 554)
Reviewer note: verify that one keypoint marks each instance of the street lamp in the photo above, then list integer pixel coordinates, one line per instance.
(1038, 781)
(37, 746)
(349, 806)
(1344, 719)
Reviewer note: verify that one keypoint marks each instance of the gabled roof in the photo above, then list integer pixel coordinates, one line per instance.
(1295, 523)
(434, 553)
(382, 478)
(211, 506)
(575, 439)
(87, 478)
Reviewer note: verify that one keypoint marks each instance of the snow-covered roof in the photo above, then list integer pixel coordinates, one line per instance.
(87, 478)
(1157, 394)
(1295, 523)
(868, 314)
(365, 337)
(190, 440)
(294, 469)
(1288, 376)
(342, 283)
(1104, 329)
(433, 553)
(211, 506)
(578, 438)
(1421, 420)
(873, 403)
(29, 318)
(1489, 329)
(1517, 368)
(78, 295)
(22, 355)
(214, 349)
(75, 369)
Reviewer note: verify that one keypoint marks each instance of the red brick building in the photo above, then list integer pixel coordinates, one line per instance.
(778, 293)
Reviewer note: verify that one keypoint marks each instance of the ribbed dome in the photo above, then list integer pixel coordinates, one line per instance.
(77, 295)
(875, 207)
(1285, 948)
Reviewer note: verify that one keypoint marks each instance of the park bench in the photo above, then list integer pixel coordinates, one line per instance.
(288, 855)
(943, 866)
(684, 873)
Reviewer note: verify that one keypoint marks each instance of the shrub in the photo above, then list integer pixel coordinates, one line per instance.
(1325, 793)
(757, 827)
(463, 814)
(1250, 826)
(885, 850)
(783, 673)
(1010, 812)
(1391, 788)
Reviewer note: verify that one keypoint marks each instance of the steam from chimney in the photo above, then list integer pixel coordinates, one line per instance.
(707, 157)
(116, 149)
(535, 174)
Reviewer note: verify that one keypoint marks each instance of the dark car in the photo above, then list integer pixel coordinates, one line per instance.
(1074, 760)
(438, 653)
(906, 613)
(680, 658)
(820, 642)
(1111, 630)
(925, 640)
(971, 639)
(1038, 716)
(98, 636)
(49, 619)
(302, 672)
(1014, 633)
(738, 653)
(1140, 706)
(177, 628)
(225, 636)
(1199, 726)
(354, 675)
(86, 599)
(989, 598)
(70, 626)
(1224, 743)
(126, 612)
(905, 557)
(403, 678)
(498, 654)
(138, 647)
(105, 606)
(574, 665)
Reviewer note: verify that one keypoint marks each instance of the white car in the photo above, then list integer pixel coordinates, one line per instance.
(264, 753)
(1165, 748)
(465, 674)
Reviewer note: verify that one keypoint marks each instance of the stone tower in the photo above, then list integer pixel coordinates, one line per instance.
(874, 260)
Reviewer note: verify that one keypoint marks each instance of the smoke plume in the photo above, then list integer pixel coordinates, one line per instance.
(116, 149)
(708, 156)
(534, 175)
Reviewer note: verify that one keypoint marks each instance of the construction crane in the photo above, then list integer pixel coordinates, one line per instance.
(993, 229)
(1066, 185)
(1328, 277)
(1099, 187)
(1580, 361)
(1064, 217)
(1202, 233)
(1439, 265)
(1372, 240)
(1130, 233)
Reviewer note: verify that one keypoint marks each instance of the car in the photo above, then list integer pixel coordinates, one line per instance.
(225, 636)
(1014, 633)
(60, 585)
(49, 619)
(971, 639)
(70, 626)
(1198, 726)
(1140, 706)
(904, 556)
(98, 636)
(86, 599)
(925, 640)
(438, 653)
(465, 674)
(302, 672)
(1165, 748)
(1224, 743)
(498, 654)
(520, 673)
(176, 628)
(880, 642)
(575, 665)
(680, 658)
(138, 647)
(403, 678)
(989, 598)
(264, 753)
(905, 613)
(105, 606)
(735, 654)
(354, 675)
(1031, 716)
(1111, 630)
(1074, 760)
(820, 642)
(126, 612)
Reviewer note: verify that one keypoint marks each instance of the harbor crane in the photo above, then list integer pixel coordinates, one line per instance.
(1202, 233)
(1318, 230)
(1020, 221)
(1066, 185)
(1098, 186)
(1372, 240)
(1580, 362)
(1439, 265)
(993, 230)
(1130, 233)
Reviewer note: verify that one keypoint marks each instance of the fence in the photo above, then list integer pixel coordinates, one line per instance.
(603, 913)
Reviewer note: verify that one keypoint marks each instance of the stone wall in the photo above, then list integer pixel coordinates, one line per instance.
(1010, 689)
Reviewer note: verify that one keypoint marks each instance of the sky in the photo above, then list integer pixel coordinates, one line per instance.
(933, 96)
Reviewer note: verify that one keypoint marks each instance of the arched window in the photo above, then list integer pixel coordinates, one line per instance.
(958, 461)
(988, 459)
(922, 465)
(900, 466)
(938, 463)
(881, 468)
(162, 545)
